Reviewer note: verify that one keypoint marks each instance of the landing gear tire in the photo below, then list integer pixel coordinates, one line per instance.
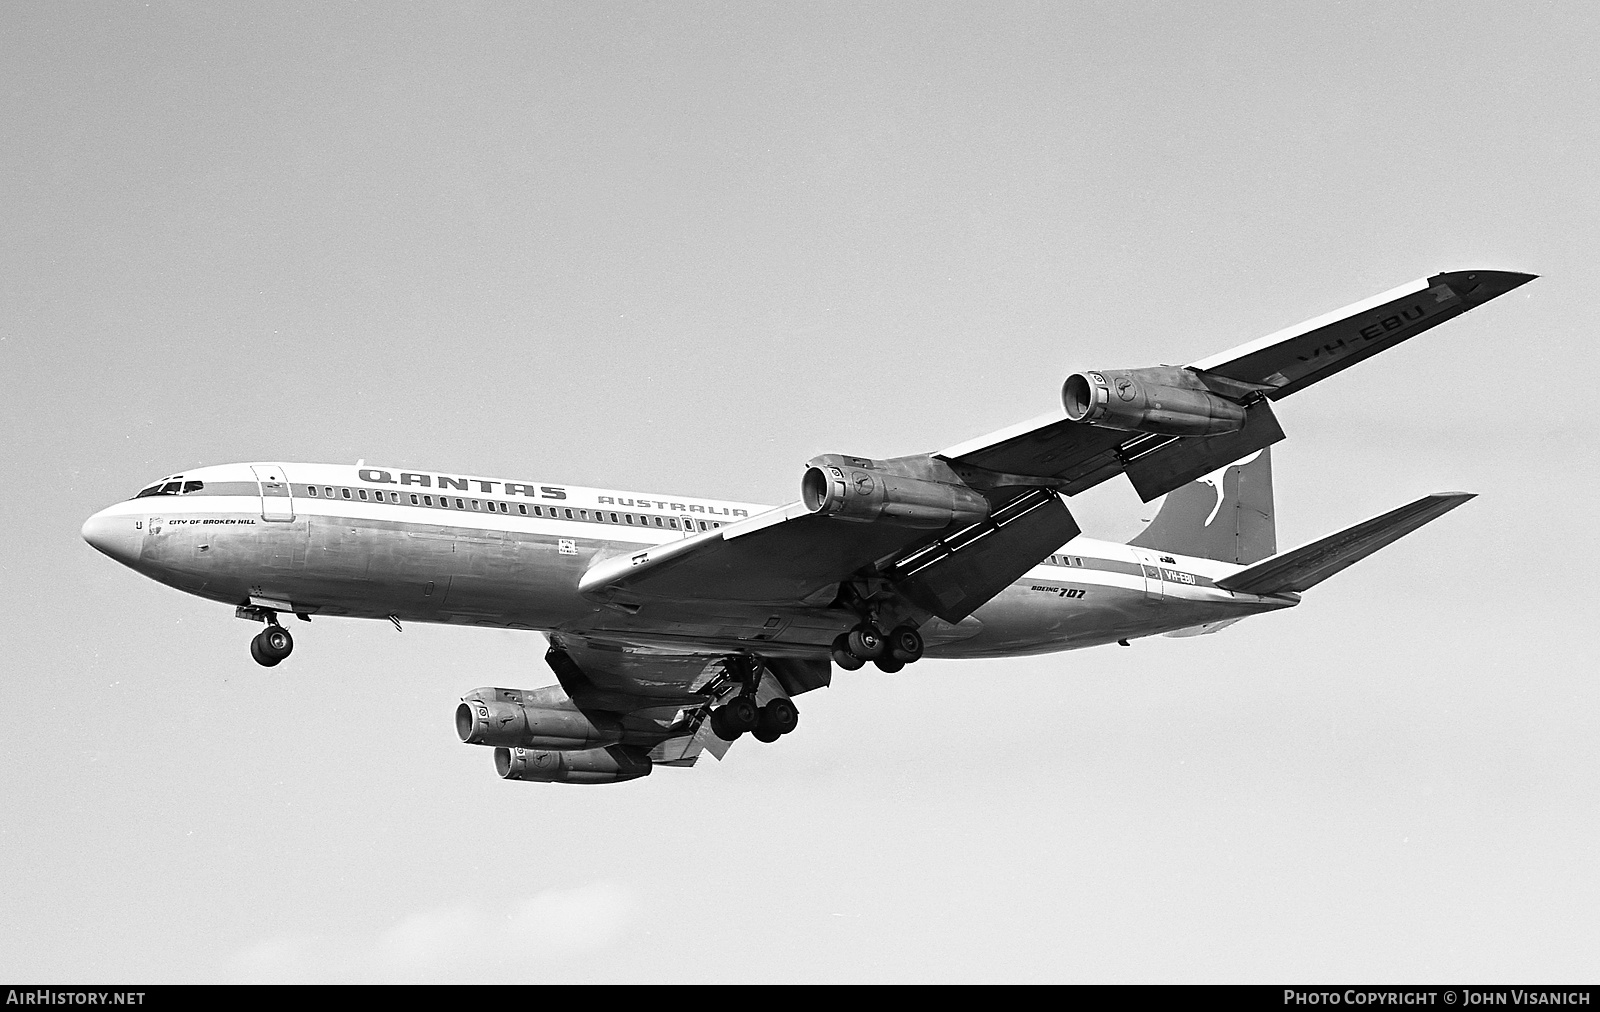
(766, 736)
(866, 642)
(720, 728)
(889, 664)
(842, 655)
(261, 658)
(778, 717)
(905, 645)
(741, 713)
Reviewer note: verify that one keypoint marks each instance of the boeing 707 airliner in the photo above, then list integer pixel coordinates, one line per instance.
(678, 624)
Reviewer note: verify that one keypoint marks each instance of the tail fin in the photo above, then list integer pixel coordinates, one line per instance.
(1225, 515)
(1308, 565)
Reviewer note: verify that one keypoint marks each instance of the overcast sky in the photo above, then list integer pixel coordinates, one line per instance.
(684, 248)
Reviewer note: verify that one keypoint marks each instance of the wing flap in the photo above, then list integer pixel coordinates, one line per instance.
(955, 576)
(1178, 461)
(1304, 567)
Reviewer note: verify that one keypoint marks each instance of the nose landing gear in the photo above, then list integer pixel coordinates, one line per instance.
(271, 645)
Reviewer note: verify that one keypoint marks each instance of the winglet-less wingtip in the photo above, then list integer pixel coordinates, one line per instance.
(1478, 287)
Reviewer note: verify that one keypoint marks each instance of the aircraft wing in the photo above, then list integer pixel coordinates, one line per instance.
(1073, 457)
(801, 554)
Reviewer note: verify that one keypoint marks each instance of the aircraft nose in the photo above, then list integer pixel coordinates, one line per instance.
(115, 536)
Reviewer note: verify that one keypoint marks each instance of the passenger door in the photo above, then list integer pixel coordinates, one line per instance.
(277, 502)
(1151, 565)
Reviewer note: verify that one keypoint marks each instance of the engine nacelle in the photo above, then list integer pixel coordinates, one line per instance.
(610, 765)
(1165, 399)
(532, 719)
(917, 492)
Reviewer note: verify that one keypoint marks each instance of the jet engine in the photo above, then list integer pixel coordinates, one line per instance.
(536, 719)
(916, 492)
(610, 765)
(1165, 399)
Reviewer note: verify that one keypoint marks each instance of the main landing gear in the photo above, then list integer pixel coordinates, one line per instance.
(740, 714)
(852, 650)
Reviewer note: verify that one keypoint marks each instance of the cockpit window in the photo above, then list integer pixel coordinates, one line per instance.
(173, 486)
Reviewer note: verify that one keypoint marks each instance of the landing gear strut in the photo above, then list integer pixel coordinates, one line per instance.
(741, 714)
(865, 643)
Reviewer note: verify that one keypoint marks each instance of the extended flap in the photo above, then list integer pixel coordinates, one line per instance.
(1176, 460)
(955, 576)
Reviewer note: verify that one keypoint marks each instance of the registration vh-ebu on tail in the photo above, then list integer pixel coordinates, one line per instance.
(677, 624)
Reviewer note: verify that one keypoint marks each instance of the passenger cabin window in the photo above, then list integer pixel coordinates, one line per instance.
(413, 498)
(327, 490)
(361, 493)
(522, 509)
(345, 492)
(313, 490)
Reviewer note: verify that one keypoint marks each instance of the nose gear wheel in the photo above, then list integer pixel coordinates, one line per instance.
(271, 645)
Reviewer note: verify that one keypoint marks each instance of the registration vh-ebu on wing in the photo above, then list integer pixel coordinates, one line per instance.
(677, 624)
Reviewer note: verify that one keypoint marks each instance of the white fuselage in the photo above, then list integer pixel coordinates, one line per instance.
(365, 542)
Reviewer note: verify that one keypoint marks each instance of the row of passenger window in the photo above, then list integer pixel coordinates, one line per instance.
(522, 509)
(1065, 560)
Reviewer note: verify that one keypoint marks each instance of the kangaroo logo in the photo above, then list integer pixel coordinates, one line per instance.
(1216, 479)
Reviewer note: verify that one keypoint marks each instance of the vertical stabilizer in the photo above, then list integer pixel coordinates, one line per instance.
(1225, 515)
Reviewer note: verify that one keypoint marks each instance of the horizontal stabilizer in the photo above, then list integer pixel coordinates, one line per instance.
(1305, 567)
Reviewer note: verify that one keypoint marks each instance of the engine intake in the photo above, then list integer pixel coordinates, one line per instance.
(1165, 399)
(917, 492)
(537, 719)
(610, 765)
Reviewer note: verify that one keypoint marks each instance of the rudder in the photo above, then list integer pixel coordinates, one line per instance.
(1226, 515)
